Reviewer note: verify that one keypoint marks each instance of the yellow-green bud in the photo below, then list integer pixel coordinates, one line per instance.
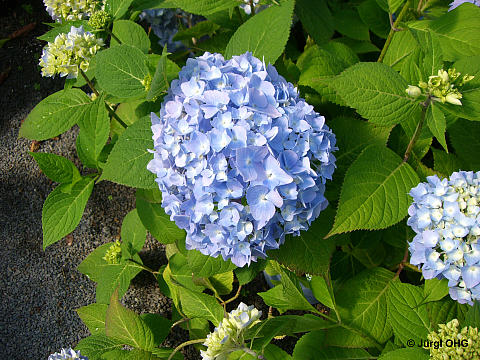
(147, 82)
(451, 343)
(114, 253)
(99, 19)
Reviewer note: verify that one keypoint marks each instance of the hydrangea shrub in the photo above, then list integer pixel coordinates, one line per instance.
(370, 208)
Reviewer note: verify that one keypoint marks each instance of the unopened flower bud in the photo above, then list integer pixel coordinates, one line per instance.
(413, 91)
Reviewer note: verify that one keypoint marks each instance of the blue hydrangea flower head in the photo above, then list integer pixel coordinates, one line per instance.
(445, 215)
(457, 3)
(67, 354)
(165, 24)
(240, 158)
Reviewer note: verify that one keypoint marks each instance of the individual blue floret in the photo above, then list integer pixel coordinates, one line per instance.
(445, 215)
(457, 3)
(240, 158)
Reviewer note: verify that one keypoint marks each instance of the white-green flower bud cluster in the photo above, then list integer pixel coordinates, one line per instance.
(228, 335)
(114, 253)
(69, 10)
(69, 53)
(99, 19)
(455, 344)
(442, 87)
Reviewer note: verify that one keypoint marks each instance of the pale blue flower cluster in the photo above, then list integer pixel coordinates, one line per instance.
(247, 6)
(240, 159)
(456, 3)
(445, 214)
(165, 24)
(67, 354)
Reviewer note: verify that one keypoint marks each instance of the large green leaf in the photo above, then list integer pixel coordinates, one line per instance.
(130, 33)
(196, 304)
(115, 277)
(445, 310)
(56, 167)
(293, 293)
(446, 163)
(435, 290)
(95, 346)
(390, 6)
(94, 131)
(465, 139)
(92, 266)
(308, 252)
(121, 71)
(347, 22)
(407, 317)
(316, 19)
(133, 234)
(93, 316)
(160, 80)
(403, 45)
(205, 7)
(256, 35)
(377, 92)
(55, 114)
(376, 19)
(437, 124)
(322, 291)
(472, 317)
(458, 32)
(406, 354)
(375, 191)
(117, 8)
(159, 325)
(319, 63)
(124, 325)
(63, 210)
(156, 220)
(362, 303)
(206, 266)
(127, 163)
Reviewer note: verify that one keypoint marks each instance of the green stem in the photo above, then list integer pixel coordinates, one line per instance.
(182, 345)
(418, 130)
(393, 29)
(146, 268)
(109, 108)
(234, 297)
(179, 322)
(110, 32)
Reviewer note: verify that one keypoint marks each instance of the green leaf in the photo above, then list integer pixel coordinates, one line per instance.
(121, 71)
(124, 325)
(95, 346)
(93, 316)
(433, 60)
(94, 263)
(406, 354)
(196, 304)
(160, 81)
(63, 210)
(55, 114)
(403, 45)
(446, 163)
(465, 139)
(472, 317)
(206, 266)
(375, 191)
(293, 293)
(316, 19)
(130, 33)
(435, 290)
(94, 131)
(437, 124)
(248, 273)
(322, 291)
(115, 277)
(407, 317)
(60, 28)
(159, 325)
(275, 297)
(127, 163)
(205, 7)
(318, 64)
(56, 167)
(390, 6)
(182, 273)
(308, 252)
(223, 283)
(347, 22)
(362, 303)
(155, 219)
(309, 348)
(377, 92)
(202, 28)
(445, 310)
(256, 33)
(117, 8)
(133, 234)
(275, 353)
(372, 15)
(457, 31)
